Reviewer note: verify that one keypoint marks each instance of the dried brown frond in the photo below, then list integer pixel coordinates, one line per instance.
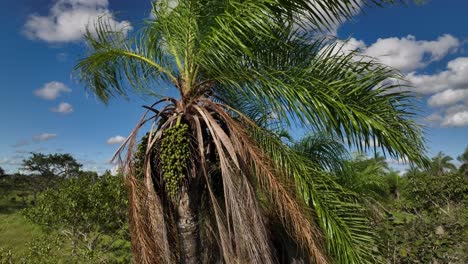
(286, 204)
(246, 225)
(148, 228)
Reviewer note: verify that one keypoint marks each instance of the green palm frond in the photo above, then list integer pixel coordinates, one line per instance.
(324, 150)
(116, 62)
(327, 92)
(365, 176)
(348, 235)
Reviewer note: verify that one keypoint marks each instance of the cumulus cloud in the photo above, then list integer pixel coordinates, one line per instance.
(115, 140)
(454, 77)
(34, 140)
(68, 20)
(406, 54)
(456, 116)
(63, 108)
(52, 90)
(448, 91)
(448, 97)
(453, 116)
(44, 137)
(457, 119)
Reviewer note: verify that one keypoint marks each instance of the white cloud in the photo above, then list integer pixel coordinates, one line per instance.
(405, 54)
(44, 136)
(63, 108)
(457, 119)
(454, 116)
(408, 54)
(448, 90)
(448, 97)
(454, 77)
(68, 19)
(115, 140)
(52, 90)
(445, 88)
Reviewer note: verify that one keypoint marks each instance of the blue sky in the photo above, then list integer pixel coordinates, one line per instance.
(44, 109)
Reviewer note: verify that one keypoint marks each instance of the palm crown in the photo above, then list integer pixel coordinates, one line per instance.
(230, 61)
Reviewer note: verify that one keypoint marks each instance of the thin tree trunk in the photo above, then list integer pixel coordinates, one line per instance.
(188, 227)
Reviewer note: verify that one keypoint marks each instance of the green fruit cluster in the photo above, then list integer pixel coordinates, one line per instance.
(175, 152)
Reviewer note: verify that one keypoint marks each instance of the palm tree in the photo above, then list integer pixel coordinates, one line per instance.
(325, 151)
(207, 172)
(463, 158)
(365, 176)
(440, 164)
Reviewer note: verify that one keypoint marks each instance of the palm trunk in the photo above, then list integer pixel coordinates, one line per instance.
(188, 227)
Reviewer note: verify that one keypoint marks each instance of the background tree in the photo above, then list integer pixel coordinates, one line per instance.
(208, 171)
(52, 165)
(463, 158)
(47, 170)
(429, 222)
(365, 176)
(441, 164)
(2, 172)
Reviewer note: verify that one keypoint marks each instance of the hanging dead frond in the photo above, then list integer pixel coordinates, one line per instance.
(293, 215)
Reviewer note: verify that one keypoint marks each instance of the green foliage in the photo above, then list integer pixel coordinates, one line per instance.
(89, 211)
(46, 171)
(441, 164)
(175, 153)
(342, 218)
(434, 192)
(2, 172)
(463, 158)
(52, 165)
(6, 257)
(429, 222)
(425, 237)
(326, 152)
(86, 203)
(365, 176)
(54, 248)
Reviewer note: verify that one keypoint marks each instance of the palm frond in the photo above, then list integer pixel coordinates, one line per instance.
(330, 92)
(324, 150)
(342, 219)
(116, 61)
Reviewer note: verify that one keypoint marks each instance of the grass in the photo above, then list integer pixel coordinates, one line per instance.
(15, 230)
